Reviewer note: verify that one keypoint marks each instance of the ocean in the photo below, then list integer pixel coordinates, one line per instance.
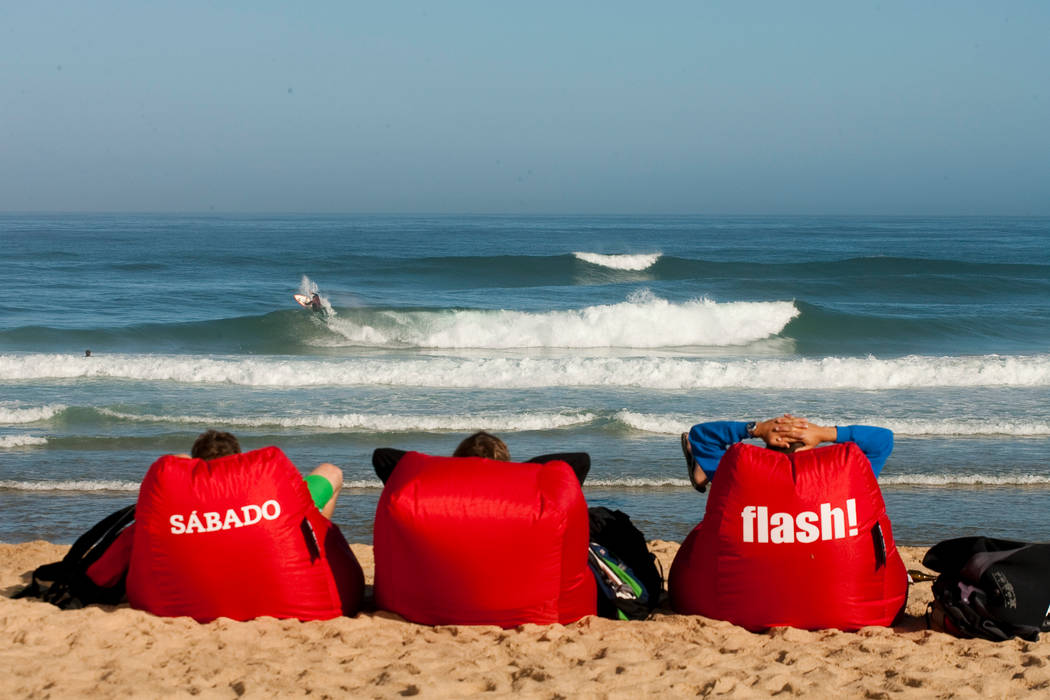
(606, 334)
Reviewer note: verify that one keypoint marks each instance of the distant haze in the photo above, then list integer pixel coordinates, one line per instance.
(537, 107)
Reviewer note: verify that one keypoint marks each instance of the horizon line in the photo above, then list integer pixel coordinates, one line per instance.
(245, 212)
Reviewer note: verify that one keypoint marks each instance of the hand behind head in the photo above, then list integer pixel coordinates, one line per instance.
(787, 433)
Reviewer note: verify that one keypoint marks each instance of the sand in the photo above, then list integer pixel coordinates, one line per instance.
(119, 652)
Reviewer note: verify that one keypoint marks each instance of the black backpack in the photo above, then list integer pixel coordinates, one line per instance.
(629, 582)
(990, 588)
(66, 584)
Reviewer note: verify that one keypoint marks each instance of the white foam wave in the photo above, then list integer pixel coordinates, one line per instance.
(445, 371)
(11, 415)
(620, 262)
(11, 441)
(896, 480)
(630, 482)
(965, 480)
(673, 424)
(627, 482)
(638, 482)
(664, 424)
(964, 428)
(384, 423)
(371, 484)
(70, 485)
(643, 321)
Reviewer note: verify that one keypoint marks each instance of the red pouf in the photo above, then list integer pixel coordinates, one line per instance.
(798, 540)
(237, 537)
(474, 541)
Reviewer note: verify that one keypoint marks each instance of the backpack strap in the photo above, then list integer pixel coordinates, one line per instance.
(68, 576)
(93, 543)
(952, 555)
(982, 561)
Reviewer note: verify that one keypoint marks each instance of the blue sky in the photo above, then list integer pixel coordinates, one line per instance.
(538, 107)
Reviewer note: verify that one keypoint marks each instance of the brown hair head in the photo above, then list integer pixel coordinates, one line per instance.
(482, 444)
(213, 444)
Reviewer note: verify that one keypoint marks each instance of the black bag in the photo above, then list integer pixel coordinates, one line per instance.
(990, 588)
(621, 562)
(68, 584)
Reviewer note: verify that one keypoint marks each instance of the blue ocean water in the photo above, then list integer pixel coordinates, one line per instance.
(605, 334)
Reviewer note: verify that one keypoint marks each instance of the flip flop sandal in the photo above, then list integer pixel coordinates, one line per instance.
(690, 464)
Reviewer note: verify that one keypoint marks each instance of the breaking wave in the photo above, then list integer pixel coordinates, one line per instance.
(620, 262)
(898, 480)
(69, 485)
(643, 321)
(11, 441)
(443, 371)
(12, 415)
(382, 423)
(672, 424)
(965, 480)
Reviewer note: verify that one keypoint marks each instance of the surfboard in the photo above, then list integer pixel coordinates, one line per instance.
(303, 300)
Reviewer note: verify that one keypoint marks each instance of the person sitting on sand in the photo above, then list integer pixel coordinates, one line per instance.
(481, 444)
(324, 483)
(705, 443)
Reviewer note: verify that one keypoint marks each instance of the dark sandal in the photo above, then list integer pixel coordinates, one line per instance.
(690, 464)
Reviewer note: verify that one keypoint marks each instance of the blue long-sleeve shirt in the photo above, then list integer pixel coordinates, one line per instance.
(709, 441)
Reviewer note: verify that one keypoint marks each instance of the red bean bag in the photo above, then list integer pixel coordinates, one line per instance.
(798, 540)
(237, 537)
(474, 541)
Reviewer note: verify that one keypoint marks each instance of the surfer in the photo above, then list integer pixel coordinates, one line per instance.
(312, 302)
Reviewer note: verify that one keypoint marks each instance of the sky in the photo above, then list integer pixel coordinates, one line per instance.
(932, 108)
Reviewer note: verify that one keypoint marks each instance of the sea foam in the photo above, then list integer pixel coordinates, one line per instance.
(382, 423)
(446, 371)
(631, 482)
(12, 441)
(620, 262)
(643, 321)
(965, 480)
(673, 424)
(14, 414)
(69, 485)
(1034, 480)
(933, 480)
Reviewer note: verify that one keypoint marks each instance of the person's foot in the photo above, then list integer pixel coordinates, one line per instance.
(690, 465)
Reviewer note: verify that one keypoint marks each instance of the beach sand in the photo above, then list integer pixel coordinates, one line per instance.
(119, 652)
